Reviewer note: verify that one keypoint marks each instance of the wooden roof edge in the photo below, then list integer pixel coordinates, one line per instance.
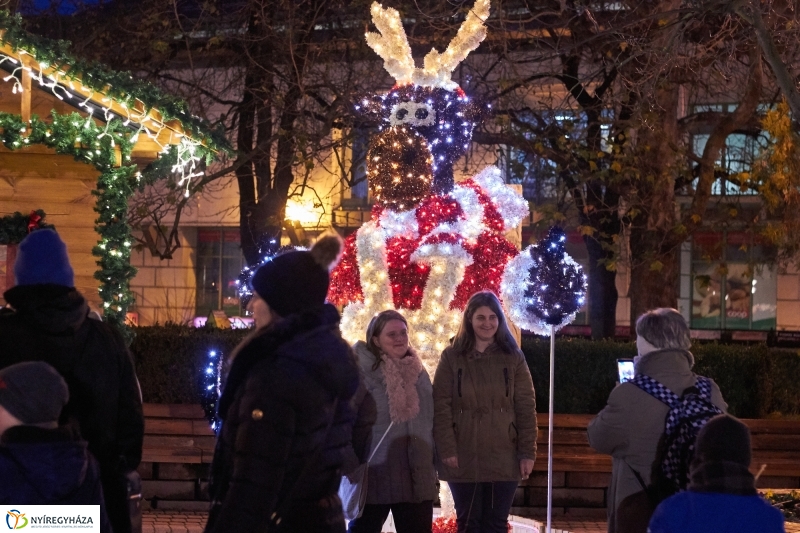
(136, 114)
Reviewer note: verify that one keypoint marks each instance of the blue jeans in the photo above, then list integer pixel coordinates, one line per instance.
(483, 507)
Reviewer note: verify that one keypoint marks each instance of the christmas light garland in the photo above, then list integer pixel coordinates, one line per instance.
(210, 387)
(141, 109)
(119, 86)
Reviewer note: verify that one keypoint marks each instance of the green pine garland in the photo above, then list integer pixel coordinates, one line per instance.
(120, 86)
(95, 144)
(72, 134)
(14, 228)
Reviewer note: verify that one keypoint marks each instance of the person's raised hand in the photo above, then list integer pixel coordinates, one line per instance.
(452, 462)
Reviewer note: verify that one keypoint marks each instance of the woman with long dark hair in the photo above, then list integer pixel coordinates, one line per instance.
(484, 417)
(401, 474)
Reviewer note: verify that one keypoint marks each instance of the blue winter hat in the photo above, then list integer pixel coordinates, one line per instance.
(42, 258)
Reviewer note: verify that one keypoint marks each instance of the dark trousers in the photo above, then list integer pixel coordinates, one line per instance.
(408, 518)
(483, 507)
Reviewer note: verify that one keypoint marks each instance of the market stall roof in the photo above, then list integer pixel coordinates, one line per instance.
(77, 140)
(92, 87)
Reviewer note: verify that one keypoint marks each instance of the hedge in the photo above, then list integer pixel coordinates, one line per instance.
(755, 380)
(170, 359)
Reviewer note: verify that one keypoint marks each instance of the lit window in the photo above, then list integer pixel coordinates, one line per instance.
(219, 263)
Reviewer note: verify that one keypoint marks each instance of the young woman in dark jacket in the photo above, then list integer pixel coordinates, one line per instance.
(484, 423)
(285, 408)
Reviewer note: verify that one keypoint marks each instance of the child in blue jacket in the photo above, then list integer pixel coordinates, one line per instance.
(40, 462)
(721, 495)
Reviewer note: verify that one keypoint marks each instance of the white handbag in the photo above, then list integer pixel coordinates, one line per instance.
(353, 488)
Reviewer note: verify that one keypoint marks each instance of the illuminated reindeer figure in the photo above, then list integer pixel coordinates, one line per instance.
(431, 243)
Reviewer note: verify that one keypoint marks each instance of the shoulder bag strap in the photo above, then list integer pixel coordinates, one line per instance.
(380, 442)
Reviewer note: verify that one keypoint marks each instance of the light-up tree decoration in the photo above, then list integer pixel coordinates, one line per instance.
(431, 243)
(543, 289)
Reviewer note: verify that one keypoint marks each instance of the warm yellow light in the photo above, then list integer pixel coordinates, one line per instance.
(303, 211)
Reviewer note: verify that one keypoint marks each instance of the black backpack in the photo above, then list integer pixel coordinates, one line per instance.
(687, 414)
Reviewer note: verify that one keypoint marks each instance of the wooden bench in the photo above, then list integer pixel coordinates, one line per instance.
(775, 443)
(179, 445)
(177, 433)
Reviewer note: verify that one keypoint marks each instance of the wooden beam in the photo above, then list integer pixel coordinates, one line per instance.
(27, 165)
(25, 106)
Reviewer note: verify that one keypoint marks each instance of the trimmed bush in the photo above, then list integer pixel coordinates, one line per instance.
(170, 359)
(755, 380)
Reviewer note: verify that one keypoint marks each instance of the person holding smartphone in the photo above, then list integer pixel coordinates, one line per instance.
(484, 422)
(630, 426)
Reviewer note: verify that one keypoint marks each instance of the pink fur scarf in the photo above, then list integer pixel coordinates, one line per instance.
(401, 377)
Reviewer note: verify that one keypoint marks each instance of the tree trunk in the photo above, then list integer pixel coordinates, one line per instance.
(250, 217)
(654, 250)
(652, 288)
(603, 294)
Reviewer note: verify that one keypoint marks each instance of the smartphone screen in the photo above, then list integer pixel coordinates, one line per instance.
(625, 369)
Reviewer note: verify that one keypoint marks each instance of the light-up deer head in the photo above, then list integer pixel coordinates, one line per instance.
(424, 104)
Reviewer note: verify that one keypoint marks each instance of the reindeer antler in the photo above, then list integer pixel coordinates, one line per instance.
(392, 46)
(439, 67)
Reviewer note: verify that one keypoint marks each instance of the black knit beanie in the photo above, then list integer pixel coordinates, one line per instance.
(297, 281)
(723, 438)
(33, 392)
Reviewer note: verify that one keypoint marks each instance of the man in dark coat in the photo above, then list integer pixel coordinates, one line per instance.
(49, 321)
(40, 462)
(286, 411)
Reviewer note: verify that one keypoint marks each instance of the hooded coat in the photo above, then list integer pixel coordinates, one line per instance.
(629, 429)
(485, 415)
(49, 466)
(51, 323)
(286, 428)
(402, 469)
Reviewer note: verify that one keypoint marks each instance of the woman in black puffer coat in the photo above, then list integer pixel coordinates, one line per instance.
(286, 410)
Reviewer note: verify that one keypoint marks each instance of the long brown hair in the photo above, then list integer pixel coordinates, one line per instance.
(375, 328)
(464, 341)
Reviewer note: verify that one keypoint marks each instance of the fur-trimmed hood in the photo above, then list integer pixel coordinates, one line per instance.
(288, 338)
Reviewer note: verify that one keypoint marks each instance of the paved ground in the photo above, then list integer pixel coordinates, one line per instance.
(192, 522)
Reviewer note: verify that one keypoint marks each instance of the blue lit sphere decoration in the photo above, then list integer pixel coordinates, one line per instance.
(543, 286)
